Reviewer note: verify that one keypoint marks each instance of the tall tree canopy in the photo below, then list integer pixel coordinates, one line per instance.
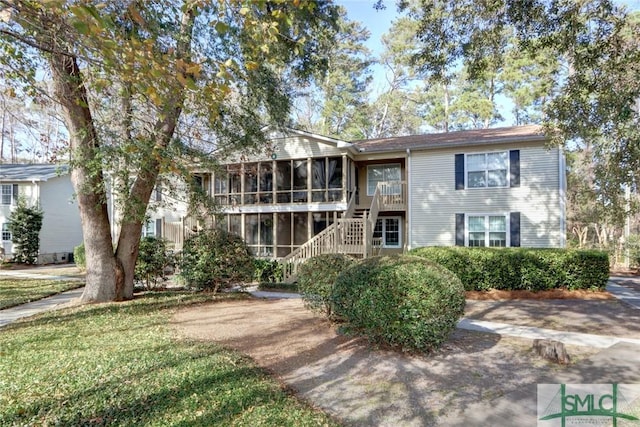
(333, 104)
(145, 86)
(590, 47)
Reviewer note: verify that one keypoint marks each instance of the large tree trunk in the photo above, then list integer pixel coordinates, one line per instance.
(133, 215)
(110, 276)
(103, 274)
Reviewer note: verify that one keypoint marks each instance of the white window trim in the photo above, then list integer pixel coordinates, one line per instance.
(466, 170)
(148, 227)
(486, 233)
(381, 165)
(384, 240)
(2, 231)
(11, 202)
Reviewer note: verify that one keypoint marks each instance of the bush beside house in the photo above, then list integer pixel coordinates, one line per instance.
(403, 301)
(213, 259)
(316, 278)
(80, 257)
(153, 262)
(481, 269)
(25, 225)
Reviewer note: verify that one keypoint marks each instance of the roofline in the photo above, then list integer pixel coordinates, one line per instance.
(466, 143)
(340, 143)
(59, 171)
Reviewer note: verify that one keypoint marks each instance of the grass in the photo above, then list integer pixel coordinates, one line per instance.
(122, 364)
(278, 287)
(19, 291)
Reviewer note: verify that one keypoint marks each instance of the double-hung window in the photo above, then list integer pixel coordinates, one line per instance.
(6, 233)
(149, 229)
(487, 170)
(388, 229)
(487, 230)
(6, 194)
(383, 173)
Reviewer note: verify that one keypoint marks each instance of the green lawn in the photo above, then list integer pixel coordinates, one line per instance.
(122, 364)
(15, 291)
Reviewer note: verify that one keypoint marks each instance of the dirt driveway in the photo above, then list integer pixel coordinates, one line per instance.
(365, 386)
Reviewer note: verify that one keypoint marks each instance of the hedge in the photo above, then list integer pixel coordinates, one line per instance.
(481, 269)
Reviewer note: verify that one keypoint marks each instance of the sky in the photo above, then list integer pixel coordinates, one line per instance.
(379, 22)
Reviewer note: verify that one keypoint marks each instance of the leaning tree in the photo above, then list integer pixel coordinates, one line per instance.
(146, 87)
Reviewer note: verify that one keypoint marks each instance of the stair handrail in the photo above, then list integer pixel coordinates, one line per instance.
(309, 249)
(375, 207)
(351, 207)
(347, 214)
(370, 223)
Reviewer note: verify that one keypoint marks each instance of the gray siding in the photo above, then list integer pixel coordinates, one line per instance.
(434, 200)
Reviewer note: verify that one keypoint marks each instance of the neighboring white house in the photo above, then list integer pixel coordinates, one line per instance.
(48, 186)
(309, 194)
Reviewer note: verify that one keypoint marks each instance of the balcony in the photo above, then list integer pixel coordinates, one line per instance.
(392, 195)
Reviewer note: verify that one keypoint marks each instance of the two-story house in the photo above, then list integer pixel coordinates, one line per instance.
(308, 194)
(48, 186)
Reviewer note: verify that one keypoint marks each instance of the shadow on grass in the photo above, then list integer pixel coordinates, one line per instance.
(32, 290)
(212, 395)
(174, 382)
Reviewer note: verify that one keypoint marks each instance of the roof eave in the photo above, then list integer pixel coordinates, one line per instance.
(493, 141)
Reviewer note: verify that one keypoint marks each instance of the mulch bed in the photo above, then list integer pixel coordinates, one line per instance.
(495, 295)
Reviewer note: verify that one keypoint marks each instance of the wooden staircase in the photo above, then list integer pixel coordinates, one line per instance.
(352, 234)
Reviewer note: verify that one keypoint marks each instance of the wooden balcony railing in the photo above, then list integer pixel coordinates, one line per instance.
(393, 195)
(347, 236)
(344, 236)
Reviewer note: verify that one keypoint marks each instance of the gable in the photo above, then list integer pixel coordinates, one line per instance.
(294, 145)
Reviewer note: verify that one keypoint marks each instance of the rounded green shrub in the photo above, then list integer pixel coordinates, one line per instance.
(454, 259)
(316, 278)
(153, 261)
(215, 259)
(403, 301)
(25, 223)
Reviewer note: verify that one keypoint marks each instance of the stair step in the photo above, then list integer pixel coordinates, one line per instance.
(360, 213)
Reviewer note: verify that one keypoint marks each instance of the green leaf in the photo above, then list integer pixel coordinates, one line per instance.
(221, 27)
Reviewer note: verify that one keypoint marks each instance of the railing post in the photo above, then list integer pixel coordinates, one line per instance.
(367, 240)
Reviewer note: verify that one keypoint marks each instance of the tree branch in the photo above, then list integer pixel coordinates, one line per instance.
(35, 45)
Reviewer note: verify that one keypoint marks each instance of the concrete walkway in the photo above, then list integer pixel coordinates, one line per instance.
(628, 295)
(35, 275)
(9, 315)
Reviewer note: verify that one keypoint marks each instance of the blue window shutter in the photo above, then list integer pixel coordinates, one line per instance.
(158, 193)
(514, 168)
(459, 171)
(459, 229)
(514, 227)
(158, 227)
